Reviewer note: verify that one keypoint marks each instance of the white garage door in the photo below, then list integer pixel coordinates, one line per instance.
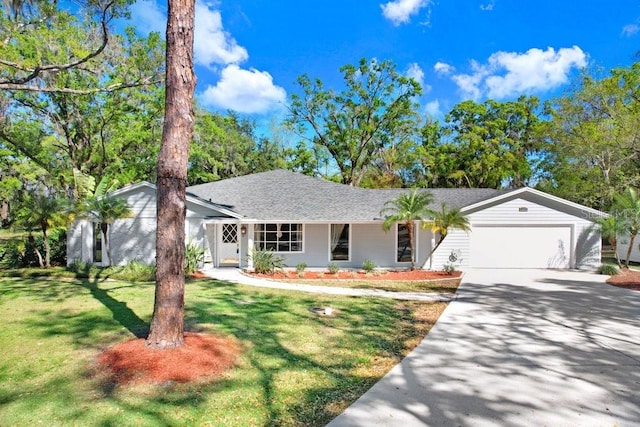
(521, 247)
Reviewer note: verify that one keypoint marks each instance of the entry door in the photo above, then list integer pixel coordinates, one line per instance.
(228, 245)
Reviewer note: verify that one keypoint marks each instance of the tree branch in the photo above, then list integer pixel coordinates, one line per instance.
(21, 83)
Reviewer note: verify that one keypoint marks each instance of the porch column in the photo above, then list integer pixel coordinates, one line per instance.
(250, 237)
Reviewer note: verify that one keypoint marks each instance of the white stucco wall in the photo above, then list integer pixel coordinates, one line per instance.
(368, 242)
(133, 238)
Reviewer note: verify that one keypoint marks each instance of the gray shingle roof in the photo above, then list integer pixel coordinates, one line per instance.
(281, 195)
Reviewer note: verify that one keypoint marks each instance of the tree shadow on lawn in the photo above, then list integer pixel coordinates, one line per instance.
(261, 320)
(258, 318)
(72, 400)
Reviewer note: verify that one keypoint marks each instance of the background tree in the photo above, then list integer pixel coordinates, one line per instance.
(444, 220)
(167, 323)
(407, 209)
(42, 212)
(376, 110)
(489, 145)
(98, 133)
(41, 43)
(610, 228)
(594, 139)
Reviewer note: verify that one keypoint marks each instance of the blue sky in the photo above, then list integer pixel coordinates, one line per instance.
(249, 52)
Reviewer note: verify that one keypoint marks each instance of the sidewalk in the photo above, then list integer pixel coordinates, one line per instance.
(235, 275)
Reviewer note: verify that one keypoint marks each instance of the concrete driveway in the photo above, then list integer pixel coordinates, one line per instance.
(518, 348)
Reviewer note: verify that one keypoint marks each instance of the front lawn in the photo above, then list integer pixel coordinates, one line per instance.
(297, 368)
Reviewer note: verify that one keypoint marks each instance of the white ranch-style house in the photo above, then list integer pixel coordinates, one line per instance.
(310, 220)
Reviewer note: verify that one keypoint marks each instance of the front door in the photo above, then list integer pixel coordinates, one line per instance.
(228, 245)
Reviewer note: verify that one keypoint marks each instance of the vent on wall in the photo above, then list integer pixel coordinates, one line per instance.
(523, 209)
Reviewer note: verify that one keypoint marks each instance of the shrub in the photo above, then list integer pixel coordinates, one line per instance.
(333, 268)
(193, 257)
(19, 253)
(368, 265)
(608, 270)
(83, 269)
(301, 266)
(449, 268)
(267, 262)
(134, 271)
(454, 257)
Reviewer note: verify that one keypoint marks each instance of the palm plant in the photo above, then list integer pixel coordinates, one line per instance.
(442, 221)
(407, 209)
(610, 228)
(104, 211)
(41, 212)
(627, 209)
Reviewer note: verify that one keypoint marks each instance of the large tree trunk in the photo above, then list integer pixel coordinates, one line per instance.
(167, 324)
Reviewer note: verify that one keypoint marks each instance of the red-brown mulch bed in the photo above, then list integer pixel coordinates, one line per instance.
(201, 357)
(629, 279)
(396, 275)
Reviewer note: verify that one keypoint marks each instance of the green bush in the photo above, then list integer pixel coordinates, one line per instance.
(267, 262)
(368, 265)
(20, 253)
(134, 271)
(333, 268)
(194, 255)
(301, 266)
(449, 268)
(83, 269)
(609, 270)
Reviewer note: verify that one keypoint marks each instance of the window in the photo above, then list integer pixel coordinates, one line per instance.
(404, 248)
(97, 243)
(339, 242)
(229, 233)
(278, 237)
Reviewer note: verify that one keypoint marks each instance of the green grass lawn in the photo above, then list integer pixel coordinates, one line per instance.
(296, 368)
(444, 285)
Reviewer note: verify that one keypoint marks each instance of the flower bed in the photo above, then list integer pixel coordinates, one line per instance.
(393, 275)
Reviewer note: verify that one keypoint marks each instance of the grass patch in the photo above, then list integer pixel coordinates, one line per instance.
(296, 368)
(444, 285)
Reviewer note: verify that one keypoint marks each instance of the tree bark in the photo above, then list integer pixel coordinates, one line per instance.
(167, 324)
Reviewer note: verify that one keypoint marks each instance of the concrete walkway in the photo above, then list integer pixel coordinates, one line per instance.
(518, 348)
(234, 275)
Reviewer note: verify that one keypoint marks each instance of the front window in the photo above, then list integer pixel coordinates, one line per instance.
(278, 237)
(339, 242)
(404, 248)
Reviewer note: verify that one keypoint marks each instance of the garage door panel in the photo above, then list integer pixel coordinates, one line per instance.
(521, 247)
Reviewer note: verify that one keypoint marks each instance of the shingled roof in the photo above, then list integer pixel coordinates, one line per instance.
(286, 196)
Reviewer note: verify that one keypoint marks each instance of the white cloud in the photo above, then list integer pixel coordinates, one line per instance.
(443, 69)
(630, 29)
(509, 74)
(433, 109)
(213, 45)
(415, 72)
(148, 16)
(399, 11)
(488, 7)
(244, 91)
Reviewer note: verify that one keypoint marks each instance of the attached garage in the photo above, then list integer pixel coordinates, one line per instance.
(521, 246)
(525, 228)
